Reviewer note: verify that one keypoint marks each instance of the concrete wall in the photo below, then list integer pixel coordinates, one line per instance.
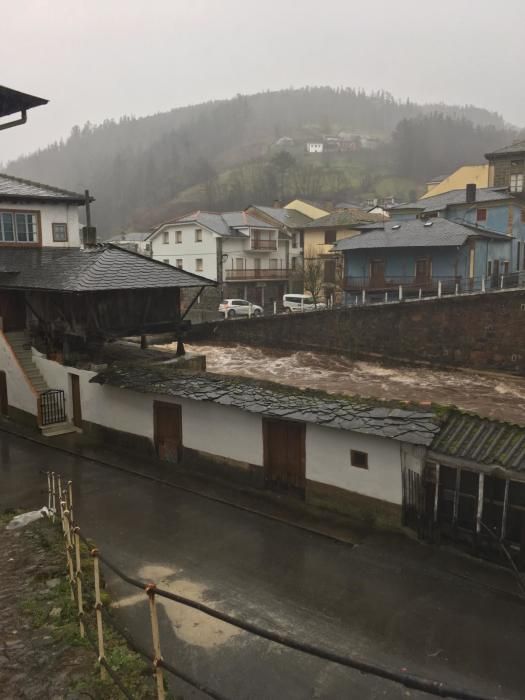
(20, 394)
(328, 462)
(479, 331)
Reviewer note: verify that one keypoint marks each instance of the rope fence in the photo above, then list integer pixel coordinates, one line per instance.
(62, 496)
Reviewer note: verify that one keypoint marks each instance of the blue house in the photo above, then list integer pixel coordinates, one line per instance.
(486, 210)
(418, 254)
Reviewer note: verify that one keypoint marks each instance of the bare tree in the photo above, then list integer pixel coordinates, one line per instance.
(313, 273)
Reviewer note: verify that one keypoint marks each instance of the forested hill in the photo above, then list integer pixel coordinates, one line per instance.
(141, 170)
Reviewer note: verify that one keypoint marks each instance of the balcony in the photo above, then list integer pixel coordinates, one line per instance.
(263, 244)
(408, 282)
(248, 274)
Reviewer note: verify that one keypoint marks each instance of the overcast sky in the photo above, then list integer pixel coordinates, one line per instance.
(104, 58)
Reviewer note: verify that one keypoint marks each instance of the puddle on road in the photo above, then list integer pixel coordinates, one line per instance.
(191, 626)
(497, 396)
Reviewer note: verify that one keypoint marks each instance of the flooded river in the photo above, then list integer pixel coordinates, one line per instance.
(491, 395)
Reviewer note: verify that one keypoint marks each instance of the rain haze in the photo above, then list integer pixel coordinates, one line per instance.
(96, 60)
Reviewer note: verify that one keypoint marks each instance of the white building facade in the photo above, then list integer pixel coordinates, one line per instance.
(249, 258)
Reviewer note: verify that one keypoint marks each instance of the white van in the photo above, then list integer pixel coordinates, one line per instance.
(301, 302)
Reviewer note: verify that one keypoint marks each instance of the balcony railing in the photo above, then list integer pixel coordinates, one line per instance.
(263, 244)
(257, 274)
(384, 284)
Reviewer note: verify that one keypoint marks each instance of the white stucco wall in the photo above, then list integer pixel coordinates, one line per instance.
(49, 214)
(19, 392)
(220, 430)
(328, 462)
(189, 250)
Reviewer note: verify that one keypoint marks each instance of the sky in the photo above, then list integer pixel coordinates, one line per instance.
(102, 59)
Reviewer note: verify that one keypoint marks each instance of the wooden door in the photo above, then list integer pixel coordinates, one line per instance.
(167, 427)
(377, 273)
(13, 311)
(422, 271)
(4, 403)
(284, 454)
(75, 397)
(495, 273)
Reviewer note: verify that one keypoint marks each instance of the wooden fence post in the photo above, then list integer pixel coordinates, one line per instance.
(150, 590)
(78, 574)
(69, 549)
(98, 611)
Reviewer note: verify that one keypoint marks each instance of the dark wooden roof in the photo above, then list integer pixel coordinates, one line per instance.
(106, 267)
(12, 101)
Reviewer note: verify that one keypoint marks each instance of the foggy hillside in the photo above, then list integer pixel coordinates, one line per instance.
(221, 154)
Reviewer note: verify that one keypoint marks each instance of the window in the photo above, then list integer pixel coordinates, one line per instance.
(489, 268)
(359, 459)
(329, 271)
(516, 183)
(198, 235)
(166, 237)
(198, 265)
(59, 232)
(239, 263)
(523, 216)
(330, 237)
(166, 261)
(18, 227)
(274, 262)
(178, 263)
(481, 215)
(294, 263)
(505, 267)
(294, 240)
(178, 236)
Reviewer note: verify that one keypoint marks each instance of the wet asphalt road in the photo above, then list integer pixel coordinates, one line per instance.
(391, 601)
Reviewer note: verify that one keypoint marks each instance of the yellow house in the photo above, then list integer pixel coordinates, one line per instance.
(467, 174)
(307, 208)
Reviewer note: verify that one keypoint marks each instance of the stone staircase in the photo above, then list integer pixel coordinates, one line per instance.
(20, 343)
(21, 346)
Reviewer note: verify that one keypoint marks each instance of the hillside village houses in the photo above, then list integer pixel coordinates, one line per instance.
(69, 305)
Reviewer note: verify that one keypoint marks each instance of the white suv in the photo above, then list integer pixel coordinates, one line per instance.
(239, 307)
(301, 302)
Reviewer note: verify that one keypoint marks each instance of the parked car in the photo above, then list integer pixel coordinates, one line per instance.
(301, 302)
(239, 307)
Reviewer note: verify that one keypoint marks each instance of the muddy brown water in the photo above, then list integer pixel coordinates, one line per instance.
(497, 396)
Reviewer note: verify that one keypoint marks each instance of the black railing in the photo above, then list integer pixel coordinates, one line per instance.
(52, 407)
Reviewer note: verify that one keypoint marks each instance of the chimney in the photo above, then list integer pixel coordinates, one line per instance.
(88, 233)
(471, 193)
(277, 204)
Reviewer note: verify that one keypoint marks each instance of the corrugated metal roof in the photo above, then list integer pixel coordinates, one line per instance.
(409, 234)
(412, 425)
(17, 188)
(95, 269)
(483, 441)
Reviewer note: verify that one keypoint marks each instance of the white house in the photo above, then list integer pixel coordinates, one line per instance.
(36, 215)
(314, 147)
(247, 256)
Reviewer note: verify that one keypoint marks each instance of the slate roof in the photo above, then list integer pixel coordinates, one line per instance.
(410, 234)
(224, 224)
(344, 218)
(482, 441)
(131, 236)
(106, 267)
(286, 217)
(17, 188)
(12, 101)
(410, 425)
(516, 147)
(442, 201)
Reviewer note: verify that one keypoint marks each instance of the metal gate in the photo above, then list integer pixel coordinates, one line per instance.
(416, 497)
(52, 406)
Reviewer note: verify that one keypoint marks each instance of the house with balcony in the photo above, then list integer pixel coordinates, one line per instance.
(421, 256)
(248, 257)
